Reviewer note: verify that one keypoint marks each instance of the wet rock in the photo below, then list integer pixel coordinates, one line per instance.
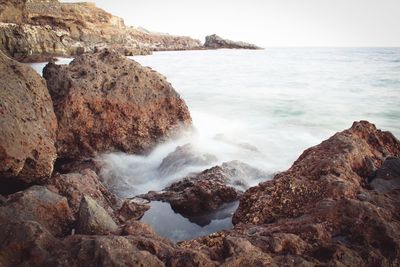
(27, 126)
(40, 205)
(94, 219)
(132, 208)
(208, 190)
(105, 102)
(214, 41)
(321, 211)
(182, 157)
(336, 168)
(387, 177)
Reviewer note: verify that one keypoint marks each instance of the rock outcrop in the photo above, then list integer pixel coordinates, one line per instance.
(208, 190)
(338, 205)
(105, 102)
(27, 126)
(214, 42)
(323, 211)
(39, 30)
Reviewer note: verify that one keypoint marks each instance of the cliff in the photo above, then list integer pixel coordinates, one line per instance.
(36, 30)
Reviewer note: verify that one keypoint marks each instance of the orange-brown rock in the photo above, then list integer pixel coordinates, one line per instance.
(105, 102)
(324, 211)
(206, 191)
(27, 125)
(40, 205)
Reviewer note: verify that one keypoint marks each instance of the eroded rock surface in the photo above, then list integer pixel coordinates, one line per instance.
(214, 42)
(27, 125)
(322, 211)
(39, 30)
(105, 102)
(208, 190)
(40, 205)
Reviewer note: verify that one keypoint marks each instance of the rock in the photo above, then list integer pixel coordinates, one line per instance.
(320, 212)
(208, 190)
(12, 10)
(26, 244)
(334, 169)
(40, 30)
(105, 102)
(182, 157)
(94, 219)
(387, 177)
(214, 42)
(76, 185)
(27, 126)
(40, 205)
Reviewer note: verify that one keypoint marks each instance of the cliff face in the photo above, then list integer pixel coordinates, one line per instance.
(39, 29)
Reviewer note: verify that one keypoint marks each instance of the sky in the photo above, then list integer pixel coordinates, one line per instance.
(268, 22)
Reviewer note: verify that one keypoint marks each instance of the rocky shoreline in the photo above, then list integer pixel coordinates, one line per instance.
(37, 31)
(337, 205)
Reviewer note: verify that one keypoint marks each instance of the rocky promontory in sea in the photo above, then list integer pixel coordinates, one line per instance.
(338, 205)
(214, 42)
(36, 30)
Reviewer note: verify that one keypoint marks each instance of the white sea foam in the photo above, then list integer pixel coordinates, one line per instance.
(279, 100)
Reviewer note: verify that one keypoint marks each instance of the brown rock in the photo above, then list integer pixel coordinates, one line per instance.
(336, 168)
(94, 219)
(40, 205)
(75, 185)
(105, 102)
(48, 28)
(12, 10)
(208, 190)
(387, 177)
(27, 125)
(312, 214)
(26, 244)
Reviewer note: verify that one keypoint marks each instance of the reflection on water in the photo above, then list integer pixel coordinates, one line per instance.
(174, 226)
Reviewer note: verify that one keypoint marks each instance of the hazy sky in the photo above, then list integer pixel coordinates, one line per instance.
(269, 22)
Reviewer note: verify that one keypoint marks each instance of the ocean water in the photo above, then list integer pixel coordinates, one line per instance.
(278, 100)
(264, 107)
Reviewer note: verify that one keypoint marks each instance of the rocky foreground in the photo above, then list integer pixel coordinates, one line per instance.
(338, 205)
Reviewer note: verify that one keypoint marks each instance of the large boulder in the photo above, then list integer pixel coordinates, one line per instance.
(214, 42)
(40, 205)
(336, 168)
(337, 205)
(105, 102)
(27, 125)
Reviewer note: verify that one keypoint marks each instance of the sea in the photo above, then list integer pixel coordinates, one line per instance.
(261, 107)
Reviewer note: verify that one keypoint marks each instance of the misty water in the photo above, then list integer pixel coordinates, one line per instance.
(262, 107)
